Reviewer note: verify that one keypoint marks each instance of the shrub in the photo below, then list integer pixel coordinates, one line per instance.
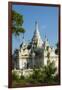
(15, 76)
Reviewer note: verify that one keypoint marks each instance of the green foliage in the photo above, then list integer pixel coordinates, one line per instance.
(15, 76)
(36, 74)
(49, 72)
(17, 22)
(22, 77)
(44, 75)
(56, 78)
(39, 76)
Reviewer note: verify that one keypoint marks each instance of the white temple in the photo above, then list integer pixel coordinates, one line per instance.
(34, 54)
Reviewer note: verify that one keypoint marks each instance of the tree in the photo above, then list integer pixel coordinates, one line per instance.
(49, 72)
(17, 22)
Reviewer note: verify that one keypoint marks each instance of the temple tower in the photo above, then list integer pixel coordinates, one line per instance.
(36, 37)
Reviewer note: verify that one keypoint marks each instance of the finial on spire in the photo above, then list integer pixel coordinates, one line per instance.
(35, 22)
(36, 25)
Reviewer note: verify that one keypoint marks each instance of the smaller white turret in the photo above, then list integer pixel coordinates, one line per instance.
(46, 43)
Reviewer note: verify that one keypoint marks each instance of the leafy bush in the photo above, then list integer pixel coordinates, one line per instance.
(22, 77)
(15, 76)
(46, 74)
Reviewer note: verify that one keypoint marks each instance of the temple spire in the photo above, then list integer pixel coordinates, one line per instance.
(46, 41)
(36, 29)
(36, 36)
